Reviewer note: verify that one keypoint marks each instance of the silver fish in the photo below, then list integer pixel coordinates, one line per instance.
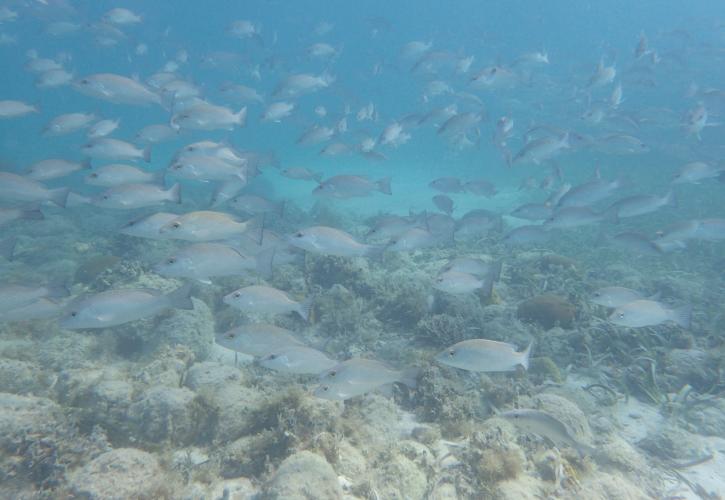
(8, 215)
(257, 339)
(540, 150)
(456, 282)
(15, 109)
(206, 225)
(205, 116)
(15, 188)
(116, 307)
(118, 174)
(355, 377)
(483, 355)
(202, 261)
(53, 168)
(266, 300)
(544, 425)
(330, 241)
(207, 168)
(643, 312)
(68, 123)
(148, 226)
(106, 148)
(117, 89)
(525, 235)
(693, 173)
(16, 296)
(130, 196)
(297, 359)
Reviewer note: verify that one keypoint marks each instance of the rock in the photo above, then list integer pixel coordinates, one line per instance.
(22, 377)
(193, 329)
(239, 488)
(397, 478)
(209, 374)
(173, 414)
(119, 474)
(235, 406)
(547, 311)
(303, 476)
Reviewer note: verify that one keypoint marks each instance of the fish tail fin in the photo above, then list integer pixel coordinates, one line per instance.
(241, 117)
(175, 193)
(682, 316)
(147, 154)
(257, 223)
(280, 208)
(86, 164)
(409, 377)
(670, 200)
(181, 298)
(383, 185)
(526, 354)
(318, 177)
(7, 248)
(495, 272)
(59, 196)
(305, 309)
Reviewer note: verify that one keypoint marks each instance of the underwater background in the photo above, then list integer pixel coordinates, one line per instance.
(362, 250)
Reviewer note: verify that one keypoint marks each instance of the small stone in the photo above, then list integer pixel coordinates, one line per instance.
(304, 476)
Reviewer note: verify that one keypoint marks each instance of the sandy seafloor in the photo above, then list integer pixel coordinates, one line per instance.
(153, 409)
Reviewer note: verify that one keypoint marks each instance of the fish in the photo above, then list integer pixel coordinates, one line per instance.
(447, 185)
(614, 296)
(121, 16)
(643, 312)
(330, 241)
(16, 296)
(53, 168)
(351, 186)
(116, 307)
(130, 196)
(457, 282)
(357, 376)
(545, 425)
(483, 355)
(476, 267)
(8, 215)
(207, 168)
(202, 261)
(206, 225)
(480, 188)
(568, 217)
(257, 339)
(637, 243)
(533, 211)
(241, 93)
(302, 173)
(54, 78)
(42, 308)
(603, 75)
(117, 89)
(694, 172)
(107, 148)
(444, 203)
(149, 226)
(118, 174)
(300, 84)
(102, 128)
(156, 133)
(389, 226)
(206, 116)
(297, 359)
(277, 111)
(227, 190)
(642, 204)
(16, 188)
(16, 109)
(589, 193)
(477, 222)
(539, 150)
(68, 123)
(710, 229)
(253, 204)
(414, 239)
(266, 300)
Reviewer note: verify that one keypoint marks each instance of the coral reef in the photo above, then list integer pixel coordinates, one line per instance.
(548, 311)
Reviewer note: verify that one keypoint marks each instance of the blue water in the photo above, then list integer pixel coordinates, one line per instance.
(681, 72)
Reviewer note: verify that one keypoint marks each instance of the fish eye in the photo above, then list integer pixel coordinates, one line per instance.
(597, 294)
(84, 82)
(621, 315)
(272, 356)
(299, 234)
(171, 260)
(177, 166)
(94, 175)
(452, 353)
(332, 373)
(74, 314)
(325, 388)
(105, 196)
(176, 225)
(236, 295)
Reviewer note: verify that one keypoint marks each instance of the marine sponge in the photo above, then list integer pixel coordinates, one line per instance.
(548, 311)
(543, 369)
